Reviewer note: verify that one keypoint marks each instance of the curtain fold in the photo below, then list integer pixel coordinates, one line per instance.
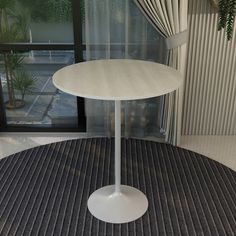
(169, 17)
(115, 29)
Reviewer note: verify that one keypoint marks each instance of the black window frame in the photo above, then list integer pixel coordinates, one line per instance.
(78, 49)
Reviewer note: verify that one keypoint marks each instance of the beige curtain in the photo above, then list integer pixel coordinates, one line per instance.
(169, 17)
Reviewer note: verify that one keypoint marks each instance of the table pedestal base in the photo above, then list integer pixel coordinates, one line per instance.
(109, 206)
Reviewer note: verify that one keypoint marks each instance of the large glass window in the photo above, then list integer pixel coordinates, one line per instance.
(37, 39)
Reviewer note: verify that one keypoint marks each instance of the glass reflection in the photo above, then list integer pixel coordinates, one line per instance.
(36, 21)
(29, 95)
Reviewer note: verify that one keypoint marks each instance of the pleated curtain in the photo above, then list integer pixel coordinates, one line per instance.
(169, 17)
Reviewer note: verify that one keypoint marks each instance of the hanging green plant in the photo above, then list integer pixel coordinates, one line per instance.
(226, 16)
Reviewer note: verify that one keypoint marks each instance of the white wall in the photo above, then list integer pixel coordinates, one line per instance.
(210, 89)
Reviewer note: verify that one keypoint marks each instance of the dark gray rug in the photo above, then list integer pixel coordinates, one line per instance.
(44, 190)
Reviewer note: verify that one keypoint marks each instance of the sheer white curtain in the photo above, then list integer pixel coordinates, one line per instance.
(117, 29)
(170, 18)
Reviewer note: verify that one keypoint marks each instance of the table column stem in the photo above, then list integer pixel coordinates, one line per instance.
(117, 146)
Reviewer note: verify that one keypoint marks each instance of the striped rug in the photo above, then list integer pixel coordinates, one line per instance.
(44, 190)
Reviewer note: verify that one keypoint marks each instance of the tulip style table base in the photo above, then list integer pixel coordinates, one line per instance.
(117, 203)
(109, 206)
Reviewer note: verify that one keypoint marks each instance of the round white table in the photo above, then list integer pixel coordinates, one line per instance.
(117, 79)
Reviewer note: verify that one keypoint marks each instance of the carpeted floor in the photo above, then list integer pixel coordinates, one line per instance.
(44, 190)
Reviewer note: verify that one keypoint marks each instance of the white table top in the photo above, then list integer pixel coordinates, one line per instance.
(117, 79)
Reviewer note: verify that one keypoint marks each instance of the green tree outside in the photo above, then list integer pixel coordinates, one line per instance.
(50, 10)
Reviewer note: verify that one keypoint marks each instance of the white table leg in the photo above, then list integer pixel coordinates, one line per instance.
(117, 146)
(117, 203)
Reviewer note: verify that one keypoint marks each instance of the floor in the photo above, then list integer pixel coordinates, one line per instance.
(219, 148)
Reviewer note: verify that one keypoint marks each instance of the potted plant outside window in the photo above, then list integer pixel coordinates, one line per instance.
(13, 28)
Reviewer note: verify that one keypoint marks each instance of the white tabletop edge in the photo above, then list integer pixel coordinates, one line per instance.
(57, 76)
(110, 99)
